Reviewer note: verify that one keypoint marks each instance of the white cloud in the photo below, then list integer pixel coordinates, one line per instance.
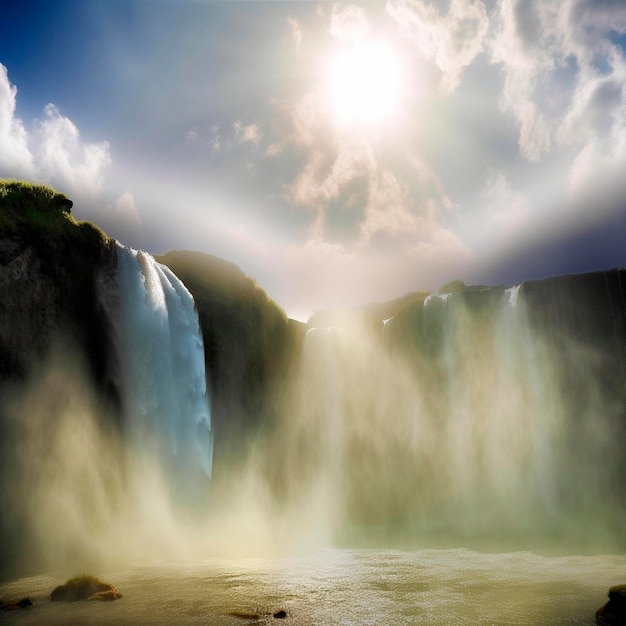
(295, 34)
(504, 212)
(247, 134)
(527, 46)
(125, 205)
(452, 40)
(122, 219)
(53, 152)
(441, 257)
(15, 157)
(61, 156)
(388, 209)
(564, 75)
(349, 24)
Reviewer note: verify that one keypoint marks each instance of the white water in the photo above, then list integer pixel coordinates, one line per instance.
(463, 433)
(165, 396)
(348, 587)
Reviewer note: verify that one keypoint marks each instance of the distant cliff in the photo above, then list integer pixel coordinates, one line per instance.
(551, 350)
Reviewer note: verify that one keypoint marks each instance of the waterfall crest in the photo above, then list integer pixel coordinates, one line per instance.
(164, 392)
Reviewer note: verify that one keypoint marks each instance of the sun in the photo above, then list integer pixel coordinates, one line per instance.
(365, 84)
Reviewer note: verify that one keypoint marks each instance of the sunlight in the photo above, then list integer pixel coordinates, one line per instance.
(365, 84)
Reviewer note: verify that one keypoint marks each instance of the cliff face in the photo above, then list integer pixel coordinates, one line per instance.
(55, 343)
(510, 401)
(51, 268)
(546, 357)
(250, 347)
(59, 302)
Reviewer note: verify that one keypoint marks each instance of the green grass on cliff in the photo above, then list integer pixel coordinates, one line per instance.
(30, 211)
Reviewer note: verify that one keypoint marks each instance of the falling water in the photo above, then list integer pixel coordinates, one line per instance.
(450, 421)
(165, 396)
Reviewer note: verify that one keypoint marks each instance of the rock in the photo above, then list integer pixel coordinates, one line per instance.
(280, 614)
(24, 603)
(85, 588)
(613, 613)
(245, 615)
(617, 594)
(106, 596)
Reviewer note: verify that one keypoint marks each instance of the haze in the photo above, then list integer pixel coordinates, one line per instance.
(339, 153)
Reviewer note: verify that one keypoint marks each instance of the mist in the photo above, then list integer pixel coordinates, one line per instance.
(460, 421)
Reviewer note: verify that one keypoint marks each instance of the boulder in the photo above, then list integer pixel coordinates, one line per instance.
(613, 613)
(85, 588)
(24, 603)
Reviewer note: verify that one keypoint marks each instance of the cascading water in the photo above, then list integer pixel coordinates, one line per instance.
(451, 420)
(164, 391)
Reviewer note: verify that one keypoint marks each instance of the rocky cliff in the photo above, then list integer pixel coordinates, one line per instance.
(58, 327)
(51, 267)
(250, 347)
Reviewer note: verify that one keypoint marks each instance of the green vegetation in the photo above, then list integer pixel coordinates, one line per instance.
(458, 286)
(84, 579)
(39, 215)
(454, 286)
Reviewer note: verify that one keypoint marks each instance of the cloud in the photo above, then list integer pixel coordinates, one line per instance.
(125, 206)
(295, 34)
(329, 169)
(348, 24)
(323, 274)
(388, 209)
(247, 134)
(504, 211)
(121, 219)
(52, 152)
(452, 40)
(61, 156)
(15, 158)
(526, 46)
(563, 73)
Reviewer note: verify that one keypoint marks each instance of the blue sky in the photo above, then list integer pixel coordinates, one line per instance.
(339, 153)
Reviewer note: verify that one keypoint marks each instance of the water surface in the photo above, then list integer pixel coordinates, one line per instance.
(348, 587)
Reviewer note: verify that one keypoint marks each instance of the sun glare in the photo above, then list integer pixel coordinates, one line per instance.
(365, 84)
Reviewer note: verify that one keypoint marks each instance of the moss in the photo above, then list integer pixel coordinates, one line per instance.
(39, 214)
(35, 199)
(83, 579)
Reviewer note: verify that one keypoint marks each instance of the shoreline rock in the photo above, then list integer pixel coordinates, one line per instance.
(613, 613)
(85, 588)
(24, 603)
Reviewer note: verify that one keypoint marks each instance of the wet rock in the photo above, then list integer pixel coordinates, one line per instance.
(613, 613)
(85, 588)
(106, 596)
(24, 603)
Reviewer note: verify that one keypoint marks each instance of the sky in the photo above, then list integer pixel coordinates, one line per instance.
(338, 153)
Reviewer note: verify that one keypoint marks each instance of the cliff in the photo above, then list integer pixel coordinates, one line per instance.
(543, 363)
(59, 311)
(50, 268)
(250, 347)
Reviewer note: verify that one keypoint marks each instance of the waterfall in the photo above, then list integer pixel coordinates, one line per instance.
(456, 418)
(162, 356)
